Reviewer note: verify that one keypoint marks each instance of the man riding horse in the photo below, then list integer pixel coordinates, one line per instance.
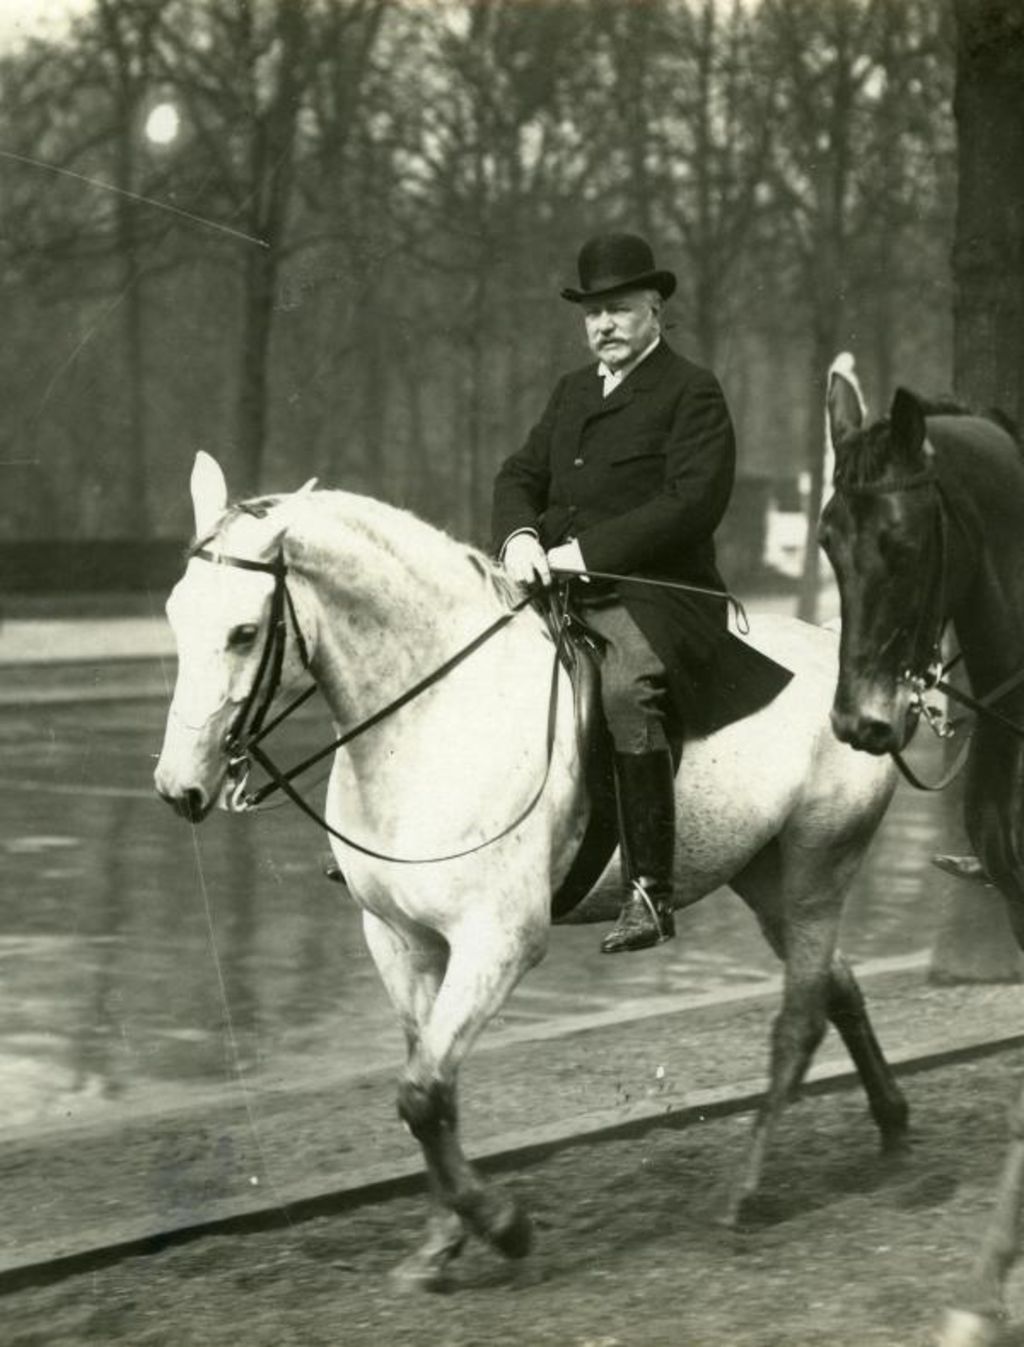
(629, 471)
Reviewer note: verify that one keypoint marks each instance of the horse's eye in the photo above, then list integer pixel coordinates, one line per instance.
(896, 551)
(241, 638)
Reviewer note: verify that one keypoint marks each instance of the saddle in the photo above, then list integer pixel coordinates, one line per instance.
(581, 654)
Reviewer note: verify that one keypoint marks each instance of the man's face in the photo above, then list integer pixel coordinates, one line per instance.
(620, 326)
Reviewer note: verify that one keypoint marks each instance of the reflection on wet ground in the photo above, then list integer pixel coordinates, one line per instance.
(142, 960)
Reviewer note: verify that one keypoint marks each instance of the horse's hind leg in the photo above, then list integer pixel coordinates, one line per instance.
(847, 1012)
(797, 896)
(979, 1324)
(411, 971)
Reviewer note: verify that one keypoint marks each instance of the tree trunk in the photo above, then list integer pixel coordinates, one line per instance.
(988, 255)
(257, 314)
(271, 160)
(134, 513)
(975, 942)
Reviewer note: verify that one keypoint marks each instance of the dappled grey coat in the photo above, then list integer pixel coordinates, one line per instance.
(641, 479)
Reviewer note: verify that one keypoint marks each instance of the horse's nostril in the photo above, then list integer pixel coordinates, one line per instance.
(866, 733)
(194, 804)
(190, 804)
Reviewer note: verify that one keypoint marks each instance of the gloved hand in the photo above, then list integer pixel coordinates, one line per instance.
(567, 557)
(525, 560)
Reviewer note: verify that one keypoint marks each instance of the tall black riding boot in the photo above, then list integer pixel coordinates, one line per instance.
(645, 789)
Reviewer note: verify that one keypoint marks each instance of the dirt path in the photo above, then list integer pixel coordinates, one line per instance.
(102, 1184)
(847, 1253)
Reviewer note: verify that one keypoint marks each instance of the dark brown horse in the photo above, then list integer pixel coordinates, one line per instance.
(926, 527)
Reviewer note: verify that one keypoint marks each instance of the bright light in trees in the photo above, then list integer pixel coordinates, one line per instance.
(162, 124)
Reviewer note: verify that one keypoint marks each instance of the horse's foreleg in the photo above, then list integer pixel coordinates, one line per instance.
(486, 961)
(412, 971)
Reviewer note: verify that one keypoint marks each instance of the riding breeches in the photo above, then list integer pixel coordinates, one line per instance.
(633, 682)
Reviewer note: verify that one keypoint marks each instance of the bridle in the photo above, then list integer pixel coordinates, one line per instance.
(249, 726)
(934, 677)
(249, 723)
(919, 681)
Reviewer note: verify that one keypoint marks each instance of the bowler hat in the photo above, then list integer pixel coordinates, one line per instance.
(611, 262)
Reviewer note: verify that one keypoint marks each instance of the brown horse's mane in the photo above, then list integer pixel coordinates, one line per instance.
(950, 406)
(863, 457)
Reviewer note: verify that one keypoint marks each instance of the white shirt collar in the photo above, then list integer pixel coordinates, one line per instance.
(612, 378)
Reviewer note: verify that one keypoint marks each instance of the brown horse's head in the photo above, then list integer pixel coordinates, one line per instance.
(882, 530)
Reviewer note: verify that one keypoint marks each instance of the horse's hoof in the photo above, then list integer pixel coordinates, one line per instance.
(415, 1274)
(741, 1210)
(896, 1147)
(965, 1328)
(514, 1236)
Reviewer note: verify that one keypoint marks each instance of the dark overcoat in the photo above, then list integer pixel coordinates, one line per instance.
(641, 479)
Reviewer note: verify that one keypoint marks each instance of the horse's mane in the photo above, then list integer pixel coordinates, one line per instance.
(386, 524)
(862, 458)
(950, 406)
(258, 507)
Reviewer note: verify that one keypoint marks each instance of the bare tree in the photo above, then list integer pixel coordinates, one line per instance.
(975, 941)
(988, 258)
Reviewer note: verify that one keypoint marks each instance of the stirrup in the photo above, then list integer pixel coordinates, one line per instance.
(641, 923)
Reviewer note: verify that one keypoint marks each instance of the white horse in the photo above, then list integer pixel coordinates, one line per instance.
(374, 599)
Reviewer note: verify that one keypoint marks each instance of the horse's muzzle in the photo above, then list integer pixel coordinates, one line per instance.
(866, 733)
(191, 804)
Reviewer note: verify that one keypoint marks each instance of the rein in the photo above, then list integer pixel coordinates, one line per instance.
(742, 622)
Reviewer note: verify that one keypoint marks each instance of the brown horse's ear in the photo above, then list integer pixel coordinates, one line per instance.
(844, 400)
(907, 420)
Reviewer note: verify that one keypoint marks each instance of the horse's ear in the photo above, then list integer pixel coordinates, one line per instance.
(906, 417)
(307, 487)
(209, 492)
(844, 399)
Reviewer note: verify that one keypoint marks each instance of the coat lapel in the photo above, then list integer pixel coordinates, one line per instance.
(587, 402)
(645, 376)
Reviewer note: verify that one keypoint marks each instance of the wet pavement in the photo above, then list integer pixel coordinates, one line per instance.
(144, 962)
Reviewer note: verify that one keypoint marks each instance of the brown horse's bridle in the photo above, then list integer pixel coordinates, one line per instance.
(920, 682)
(934, 678)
